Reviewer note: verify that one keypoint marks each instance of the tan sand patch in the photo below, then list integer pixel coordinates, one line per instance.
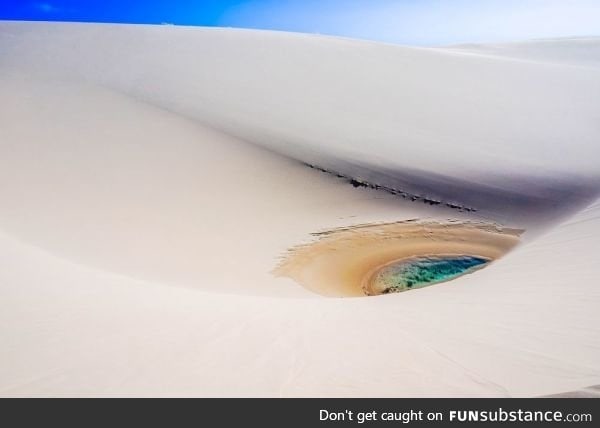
(341, 261)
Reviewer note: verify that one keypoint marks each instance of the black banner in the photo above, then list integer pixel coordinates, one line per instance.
(300, 412)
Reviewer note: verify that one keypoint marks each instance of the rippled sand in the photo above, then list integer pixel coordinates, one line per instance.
(341, 262)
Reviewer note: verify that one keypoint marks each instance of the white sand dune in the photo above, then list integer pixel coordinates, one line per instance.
(152, 177)
(355, 107)
(576, 51)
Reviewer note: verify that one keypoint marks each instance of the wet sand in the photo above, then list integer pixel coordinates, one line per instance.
(341, 262)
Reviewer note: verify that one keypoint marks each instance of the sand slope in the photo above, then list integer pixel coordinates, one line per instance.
(576, 51)
(514, 329)
(357, 107)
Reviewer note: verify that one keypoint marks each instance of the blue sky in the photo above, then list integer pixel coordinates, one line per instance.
(418, 22)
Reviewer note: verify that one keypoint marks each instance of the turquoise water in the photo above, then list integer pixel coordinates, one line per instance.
(423, 271)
